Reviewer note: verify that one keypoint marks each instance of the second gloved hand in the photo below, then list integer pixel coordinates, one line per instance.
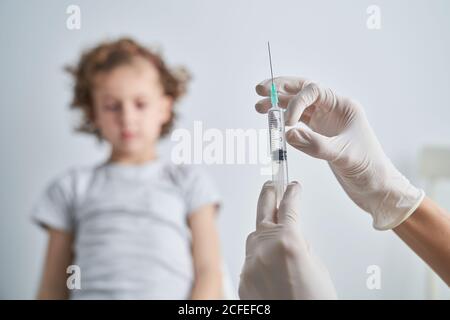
(338, 131)
(279, 264)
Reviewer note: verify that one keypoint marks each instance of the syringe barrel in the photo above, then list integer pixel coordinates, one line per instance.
(278, 151)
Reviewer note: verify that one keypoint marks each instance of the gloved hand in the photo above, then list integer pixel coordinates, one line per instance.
(338, 131)
(279, 264)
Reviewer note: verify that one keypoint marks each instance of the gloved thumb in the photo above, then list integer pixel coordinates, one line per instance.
(311, 143)
(289, 205)
(288, 212)
(267, 204)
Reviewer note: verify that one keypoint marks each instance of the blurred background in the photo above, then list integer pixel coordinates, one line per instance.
(400, 73)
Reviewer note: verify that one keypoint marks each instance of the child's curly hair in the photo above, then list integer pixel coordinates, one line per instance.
(107, 56)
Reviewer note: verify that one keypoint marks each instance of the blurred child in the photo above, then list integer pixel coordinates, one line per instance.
(137, 226)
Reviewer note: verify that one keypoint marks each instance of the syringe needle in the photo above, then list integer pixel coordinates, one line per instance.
(270, 61)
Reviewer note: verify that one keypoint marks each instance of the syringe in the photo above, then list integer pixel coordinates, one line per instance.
(277, 141)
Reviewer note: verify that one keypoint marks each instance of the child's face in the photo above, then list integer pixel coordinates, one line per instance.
(131, 107)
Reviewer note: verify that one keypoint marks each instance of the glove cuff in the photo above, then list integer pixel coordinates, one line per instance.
(397, 206)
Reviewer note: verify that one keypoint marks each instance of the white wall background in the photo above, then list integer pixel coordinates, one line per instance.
(400, 73)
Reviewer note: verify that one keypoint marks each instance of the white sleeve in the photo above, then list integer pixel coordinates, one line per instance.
(199, 189)
(54, 207)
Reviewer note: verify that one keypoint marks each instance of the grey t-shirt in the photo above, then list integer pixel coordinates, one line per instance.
(132, 240)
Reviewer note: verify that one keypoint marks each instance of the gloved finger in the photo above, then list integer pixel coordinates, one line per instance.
(284, 85)
(307, 114)
(289, 205)
(263, 105)
(313, 143)
(311, 95)
(267, 204)
(297, 105)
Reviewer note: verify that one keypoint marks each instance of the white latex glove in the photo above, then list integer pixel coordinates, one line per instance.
(279, 264)
(338, 131)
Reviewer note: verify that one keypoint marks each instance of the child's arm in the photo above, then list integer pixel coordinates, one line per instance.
(59, 257)
(206, 254)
